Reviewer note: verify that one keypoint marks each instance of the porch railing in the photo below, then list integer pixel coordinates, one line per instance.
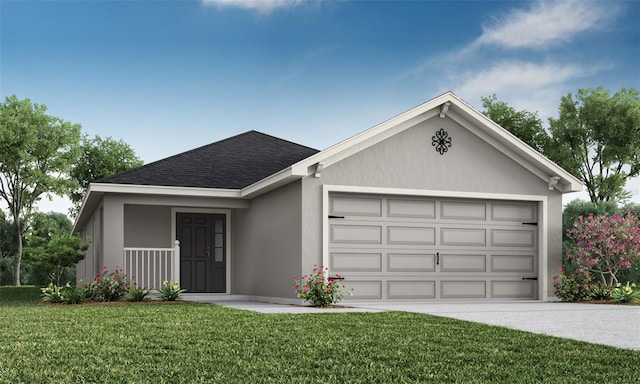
(149, 267)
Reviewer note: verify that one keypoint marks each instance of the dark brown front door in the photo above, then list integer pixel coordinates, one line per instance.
(202, 251)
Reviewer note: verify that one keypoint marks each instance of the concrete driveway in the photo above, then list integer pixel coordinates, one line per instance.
(613, 325)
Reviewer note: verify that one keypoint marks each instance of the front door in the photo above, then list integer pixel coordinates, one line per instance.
(203, 264)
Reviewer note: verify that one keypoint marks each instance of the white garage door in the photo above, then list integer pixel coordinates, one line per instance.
(412, 248)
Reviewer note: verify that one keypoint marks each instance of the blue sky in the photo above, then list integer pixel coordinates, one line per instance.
(168, 76)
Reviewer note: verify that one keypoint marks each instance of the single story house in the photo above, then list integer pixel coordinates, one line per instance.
(438, 203)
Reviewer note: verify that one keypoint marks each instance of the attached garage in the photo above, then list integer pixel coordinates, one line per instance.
(417, 248)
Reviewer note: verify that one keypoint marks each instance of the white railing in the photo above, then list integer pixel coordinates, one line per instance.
(149, 267)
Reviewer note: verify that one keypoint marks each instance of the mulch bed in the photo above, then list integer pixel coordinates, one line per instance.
(606, 302)
(117, 303)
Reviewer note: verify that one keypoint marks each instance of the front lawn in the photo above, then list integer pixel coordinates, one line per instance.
(188, 343)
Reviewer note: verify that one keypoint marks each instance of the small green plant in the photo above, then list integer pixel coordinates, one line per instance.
(170, 291)
(66, 294)
(136, 294)
(52, 294)
(628, 293)
(108, 286)
(318, 289)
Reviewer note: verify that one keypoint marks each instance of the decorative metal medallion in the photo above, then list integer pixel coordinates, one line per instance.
(441, 141)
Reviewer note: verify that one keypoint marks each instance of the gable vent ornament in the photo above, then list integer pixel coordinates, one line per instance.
(441, 141)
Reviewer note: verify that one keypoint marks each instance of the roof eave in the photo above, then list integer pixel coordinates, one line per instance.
(97, 190)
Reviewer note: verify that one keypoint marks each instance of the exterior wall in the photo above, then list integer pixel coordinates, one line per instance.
(555, 239)
(147, 226)
(91, 264)
(409, 161)
(267, 244)
(142, 221)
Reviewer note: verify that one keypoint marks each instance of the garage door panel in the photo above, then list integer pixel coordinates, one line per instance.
(463, 237)
(453, 210)
(411, 262)
(356, 206)
(513, 212)
(356, 234)
(513, 238)
(365, 289)
(411, 289)
(423, 209)
(521, 289)
(355, 262)
(472, 289)
(513, 263)
(463, 263)
(411, 235)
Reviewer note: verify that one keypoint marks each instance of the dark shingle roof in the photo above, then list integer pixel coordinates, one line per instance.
(232, 163)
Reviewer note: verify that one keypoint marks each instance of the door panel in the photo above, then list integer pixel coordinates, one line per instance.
(202, 251)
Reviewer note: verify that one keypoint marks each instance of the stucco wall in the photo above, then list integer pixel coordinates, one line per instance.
(147, 226)
(409, 161)
(91, 264)
(267, 243)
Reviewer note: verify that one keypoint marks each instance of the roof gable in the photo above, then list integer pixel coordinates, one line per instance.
(232, 163)
(447, 105)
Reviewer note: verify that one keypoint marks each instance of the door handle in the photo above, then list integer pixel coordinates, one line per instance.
(208, 251)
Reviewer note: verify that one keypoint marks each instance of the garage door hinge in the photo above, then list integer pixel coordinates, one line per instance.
(532, 223)
(530, 278)
(336, 217)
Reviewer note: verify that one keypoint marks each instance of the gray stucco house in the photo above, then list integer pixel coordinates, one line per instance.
(438, 203)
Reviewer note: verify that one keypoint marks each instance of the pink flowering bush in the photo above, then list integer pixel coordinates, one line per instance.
(605, 245)
(108, 286)
(318, 289)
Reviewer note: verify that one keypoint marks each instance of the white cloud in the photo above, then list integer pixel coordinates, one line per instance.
(261, 6)
(524, 85)
(546, 23)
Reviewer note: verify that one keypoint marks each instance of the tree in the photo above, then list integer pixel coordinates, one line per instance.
(597, 138)
(99, 158)
(36, 153)
(43, 228)
(7, 249)
(525, 125)
(54, 255)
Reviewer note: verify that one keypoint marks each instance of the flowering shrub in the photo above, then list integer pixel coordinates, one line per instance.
(628, 293)
(578, 285)
(605, 245)
(318, 289)
(108, 286)
(170, 292)
(62, 294)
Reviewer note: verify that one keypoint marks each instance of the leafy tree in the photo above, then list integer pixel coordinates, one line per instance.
(597, 138)
(36, 153)
(42, 229)
(7, 249)
(525, 125)
(99, 158)
(55, 255)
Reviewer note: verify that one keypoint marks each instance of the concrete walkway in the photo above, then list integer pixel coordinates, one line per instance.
(613, 325)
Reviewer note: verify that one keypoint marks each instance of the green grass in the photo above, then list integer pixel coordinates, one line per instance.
(192, 343)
